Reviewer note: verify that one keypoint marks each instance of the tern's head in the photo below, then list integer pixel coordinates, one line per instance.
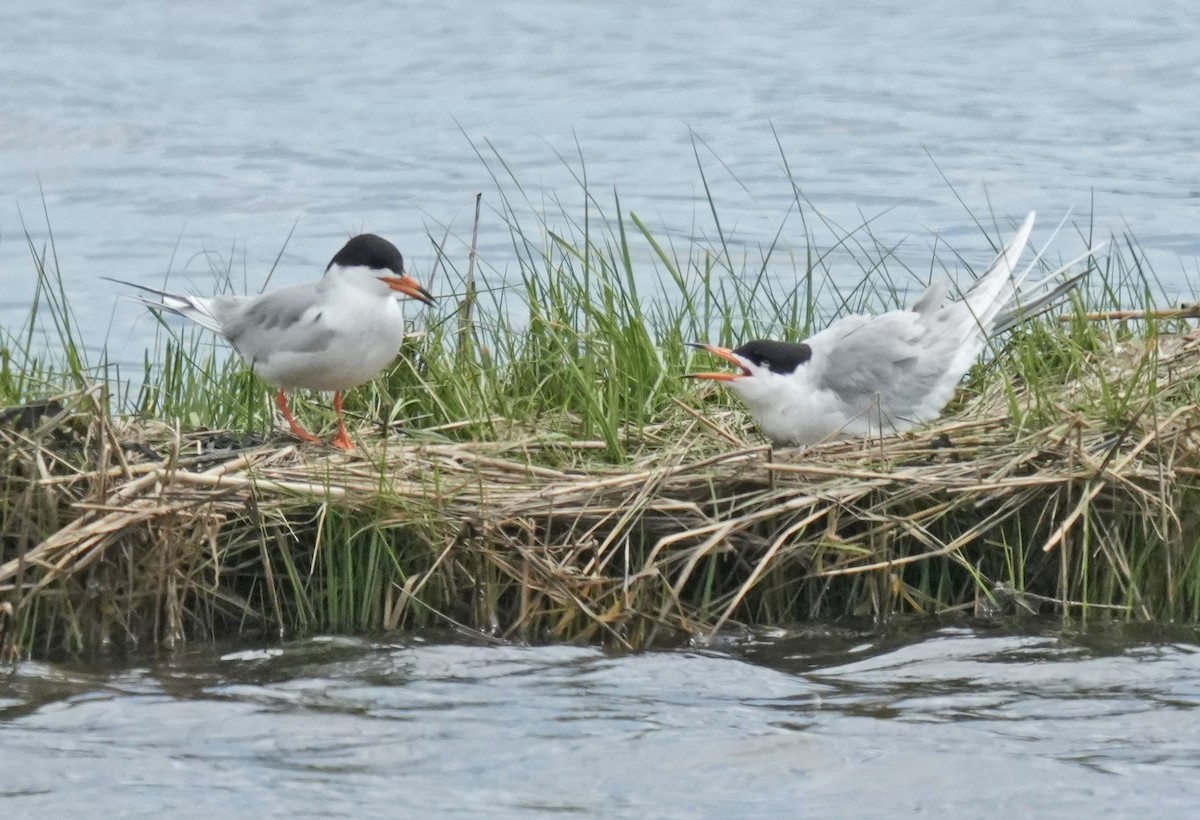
(378, 257)
(762, 367)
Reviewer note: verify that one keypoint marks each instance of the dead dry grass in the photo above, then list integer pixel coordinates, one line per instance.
(124, 530)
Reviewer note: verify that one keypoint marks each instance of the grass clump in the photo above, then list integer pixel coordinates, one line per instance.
(534, 467)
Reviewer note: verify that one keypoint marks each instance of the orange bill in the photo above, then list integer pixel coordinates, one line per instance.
(726, 354)
(409, 287)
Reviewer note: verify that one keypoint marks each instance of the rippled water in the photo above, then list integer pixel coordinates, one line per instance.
(160, 132)
(820, 723)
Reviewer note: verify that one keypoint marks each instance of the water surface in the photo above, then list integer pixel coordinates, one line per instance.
(823, 722)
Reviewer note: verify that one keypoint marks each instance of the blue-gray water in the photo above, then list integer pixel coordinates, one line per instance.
(162, 131)
(822, 723)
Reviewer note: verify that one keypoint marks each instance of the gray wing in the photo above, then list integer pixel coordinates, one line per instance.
(284, 320)
(878, 359)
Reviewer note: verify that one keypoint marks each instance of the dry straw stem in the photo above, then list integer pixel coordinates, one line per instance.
(1184, 311)
(127, 530)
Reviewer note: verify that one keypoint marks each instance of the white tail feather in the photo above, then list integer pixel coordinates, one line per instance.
(1044, 294)
(195, 308)
(999, 299)
(998, 284)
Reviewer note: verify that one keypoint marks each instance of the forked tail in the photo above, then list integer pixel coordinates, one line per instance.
(1044, 294)
(998, 285)
(196, 308)
(998, 299)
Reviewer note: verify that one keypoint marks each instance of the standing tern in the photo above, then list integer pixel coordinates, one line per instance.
(334, 333)
(867, 375)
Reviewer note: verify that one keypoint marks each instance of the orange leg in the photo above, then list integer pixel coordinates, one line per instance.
(298, 431)
(342, 440)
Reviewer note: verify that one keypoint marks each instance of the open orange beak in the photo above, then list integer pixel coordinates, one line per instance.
(726, 354)
(409, 287)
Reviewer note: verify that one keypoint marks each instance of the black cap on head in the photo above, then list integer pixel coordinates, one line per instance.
(778, 357)
(369, 251)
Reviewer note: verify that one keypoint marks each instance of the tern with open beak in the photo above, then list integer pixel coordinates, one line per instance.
(334, 333)
(869, 375)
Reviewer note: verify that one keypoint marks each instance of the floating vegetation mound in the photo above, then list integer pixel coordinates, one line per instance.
(126, 530)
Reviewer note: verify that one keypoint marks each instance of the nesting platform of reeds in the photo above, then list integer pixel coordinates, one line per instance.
(123, 530)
